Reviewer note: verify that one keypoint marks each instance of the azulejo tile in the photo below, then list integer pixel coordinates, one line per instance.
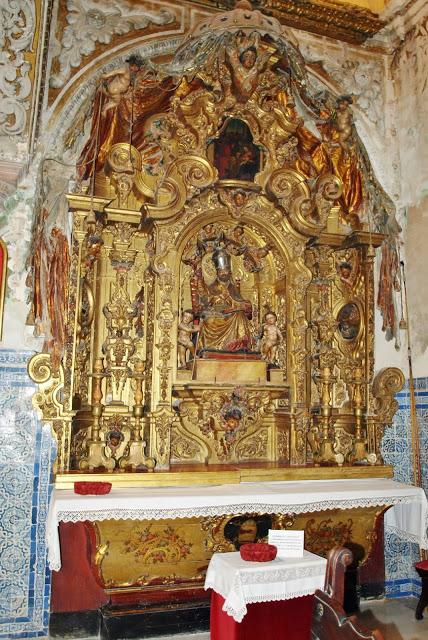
(25, 469)
(400, 556)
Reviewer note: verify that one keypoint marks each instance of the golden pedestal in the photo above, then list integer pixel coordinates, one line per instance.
(232, 370)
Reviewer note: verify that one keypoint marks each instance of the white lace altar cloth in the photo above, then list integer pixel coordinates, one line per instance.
(408, 518)
(240, 582)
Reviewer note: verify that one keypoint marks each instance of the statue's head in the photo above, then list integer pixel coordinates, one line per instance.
(135, 62)
(343, 102)
(238, 232)
(239, 198)
(270, 317)
(224, 275)
(188, 315)
(232, 419)
(248, 57)
(345, 269)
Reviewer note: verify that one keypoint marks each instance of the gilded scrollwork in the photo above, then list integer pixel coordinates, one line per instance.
(48, 402)
(387, 383)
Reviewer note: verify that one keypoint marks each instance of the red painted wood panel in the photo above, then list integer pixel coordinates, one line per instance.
(74, 587)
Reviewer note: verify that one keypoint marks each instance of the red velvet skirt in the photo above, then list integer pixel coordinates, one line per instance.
(281, 620)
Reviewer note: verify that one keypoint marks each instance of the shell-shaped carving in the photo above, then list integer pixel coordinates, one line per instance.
(241, 17)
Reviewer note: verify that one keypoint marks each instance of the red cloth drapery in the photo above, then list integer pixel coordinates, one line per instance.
(282, 620)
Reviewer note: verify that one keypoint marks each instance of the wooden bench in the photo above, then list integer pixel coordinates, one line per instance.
(329, 621)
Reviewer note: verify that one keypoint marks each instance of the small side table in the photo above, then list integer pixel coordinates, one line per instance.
(278, 595)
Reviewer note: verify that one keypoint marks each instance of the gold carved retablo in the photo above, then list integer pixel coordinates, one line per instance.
(217, 311)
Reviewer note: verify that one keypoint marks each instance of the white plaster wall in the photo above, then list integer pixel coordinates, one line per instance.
(409, 75)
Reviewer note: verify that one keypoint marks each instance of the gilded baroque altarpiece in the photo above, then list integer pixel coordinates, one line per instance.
(220, 298)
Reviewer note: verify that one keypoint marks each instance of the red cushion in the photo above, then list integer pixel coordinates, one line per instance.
(422, 565)
(258, 552)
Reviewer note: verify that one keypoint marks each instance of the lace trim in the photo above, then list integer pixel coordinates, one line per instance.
(280, 575)
(119, 513)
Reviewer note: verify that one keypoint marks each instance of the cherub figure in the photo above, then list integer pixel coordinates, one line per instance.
(114, 439)
(239, 198)
(253, 259)
(117, 82)
(344, 120)
(246, 65)
(336, 122)
(235, 242)
(271, 337)
(236, 201)
(186, 329)
(345, 271)
(207, 237)
(232, 421)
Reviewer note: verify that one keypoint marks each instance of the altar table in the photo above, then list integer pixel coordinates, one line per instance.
(278, 595)
(408, 516)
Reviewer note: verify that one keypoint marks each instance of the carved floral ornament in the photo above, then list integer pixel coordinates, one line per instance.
(17, 29)
(90, 23)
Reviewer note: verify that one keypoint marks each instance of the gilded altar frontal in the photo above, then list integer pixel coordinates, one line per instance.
(216, 310)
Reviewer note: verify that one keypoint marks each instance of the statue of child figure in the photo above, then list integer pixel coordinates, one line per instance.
(271, 337)
(185, 330)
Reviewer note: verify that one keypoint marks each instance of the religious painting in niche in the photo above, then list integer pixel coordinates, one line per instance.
(3, 270)
(348, 321)
(236, 157)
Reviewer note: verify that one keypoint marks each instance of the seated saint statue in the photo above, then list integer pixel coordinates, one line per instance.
(225, 316)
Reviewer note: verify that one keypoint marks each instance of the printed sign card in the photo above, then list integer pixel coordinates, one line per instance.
(290, 544)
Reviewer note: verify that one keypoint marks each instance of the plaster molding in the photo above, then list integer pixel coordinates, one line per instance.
(89, 23)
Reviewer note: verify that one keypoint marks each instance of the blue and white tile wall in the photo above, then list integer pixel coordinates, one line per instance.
(400, 556)
(26, 456)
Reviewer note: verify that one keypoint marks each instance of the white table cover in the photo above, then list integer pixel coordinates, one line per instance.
(240, 582)
(409, 518)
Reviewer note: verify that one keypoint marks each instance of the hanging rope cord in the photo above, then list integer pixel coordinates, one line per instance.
(417, 474)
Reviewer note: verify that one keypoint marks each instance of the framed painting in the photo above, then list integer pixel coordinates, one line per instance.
(236, 157)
